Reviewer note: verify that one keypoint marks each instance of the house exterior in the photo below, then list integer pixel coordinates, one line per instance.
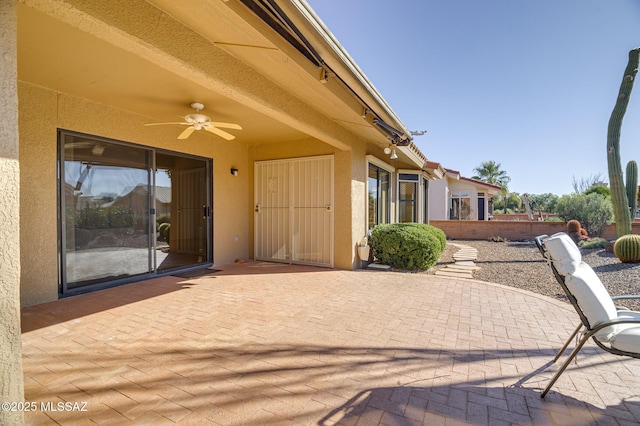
(460, 198)
(308, 155)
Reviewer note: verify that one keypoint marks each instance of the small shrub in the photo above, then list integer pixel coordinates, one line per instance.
(106, 239)
(407, 245)
(576, 231)
(553, 219)
(497, 239)
(573, 226)
(92, 217)
(593, 243)
(82, 238)
(165, 230)
(120, 217)
(627, 248)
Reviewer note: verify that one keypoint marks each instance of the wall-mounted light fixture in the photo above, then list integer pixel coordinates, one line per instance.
(234, 171)
(387, 150)
(393, 154)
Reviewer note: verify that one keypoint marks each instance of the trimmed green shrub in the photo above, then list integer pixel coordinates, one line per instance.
(407, 245)
(627, 248)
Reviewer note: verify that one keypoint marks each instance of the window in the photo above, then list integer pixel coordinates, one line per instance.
(378, 193)
(460, 206)
(408, 198)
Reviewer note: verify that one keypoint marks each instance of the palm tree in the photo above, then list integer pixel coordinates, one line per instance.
(490, 172)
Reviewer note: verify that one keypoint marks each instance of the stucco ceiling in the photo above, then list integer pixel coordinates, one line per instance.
(67, 59)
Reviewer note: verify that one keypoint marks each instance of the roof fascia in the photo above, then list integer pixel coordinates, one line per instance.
(338, 60)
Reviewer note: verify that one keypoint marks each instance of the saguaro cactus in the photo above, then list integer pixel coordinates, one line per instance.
(618, 193)
(631, 179)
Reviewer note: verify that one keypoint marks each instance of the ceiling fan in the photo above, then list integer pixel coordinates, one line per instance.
(199, 121)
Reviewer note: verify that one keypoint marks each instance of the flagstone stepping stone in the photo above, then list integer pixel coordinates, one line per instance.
(464, 263)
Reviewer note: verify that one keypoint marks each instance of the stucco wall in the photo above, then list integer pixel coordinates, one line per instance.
(42, 111)
(11, 379)
(438, 199)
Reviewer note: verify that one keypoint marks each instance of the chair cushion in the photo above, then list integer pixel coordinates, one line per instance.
(564, 253)
(627, 337)
(593, 298)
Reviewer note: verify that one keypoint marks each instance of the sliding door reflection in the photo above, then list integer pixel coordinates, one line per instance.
(183, 213)
(106, 211)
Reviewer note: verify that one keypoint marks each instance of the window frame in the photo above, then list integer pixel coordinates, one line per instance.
(380, 165)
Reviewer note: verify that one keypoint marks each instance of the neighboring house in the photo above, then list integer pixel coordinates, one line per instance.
(137, 199)
(320, 157)
(459, 198)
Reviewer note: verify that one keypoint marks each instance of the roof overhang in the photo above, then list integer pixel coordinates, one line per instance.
(154, 58)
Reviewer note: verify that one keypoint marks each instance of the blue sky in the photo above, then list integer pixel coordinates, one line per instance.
(528, 84)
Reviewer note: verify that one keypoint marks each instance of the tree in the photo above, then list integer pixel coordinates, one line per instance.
(543, 203)
(490, 172)
(599, 189)
(581, 185)
(593, 211)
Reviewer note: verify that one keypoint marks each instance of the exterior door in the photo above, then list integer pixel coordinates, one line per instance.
(128, 212)
(182, 240)
(480, 208)
(294, 211)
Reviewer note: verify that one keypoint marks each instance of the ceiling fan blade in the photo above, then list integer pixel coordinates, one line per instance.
(186, 132)
(221, 133)
(226, 125)
(162, 124)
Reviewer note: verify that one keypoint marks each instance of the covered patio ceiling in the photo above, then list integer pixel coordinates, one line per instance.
(154, 59)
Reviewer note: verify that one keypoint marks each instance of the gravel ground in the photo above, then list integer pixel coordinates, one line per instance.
(520, 265)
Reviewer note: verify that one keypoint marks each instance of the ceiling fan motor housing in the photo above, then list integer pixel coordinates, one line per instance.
(197, 118)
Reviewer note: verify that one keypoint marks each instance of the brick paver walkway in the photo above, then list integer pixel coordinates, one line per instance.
(265, 344)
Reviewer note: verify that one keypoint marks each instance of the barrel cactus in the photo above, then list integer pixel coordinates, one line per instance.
(631, 184)
(627, 248)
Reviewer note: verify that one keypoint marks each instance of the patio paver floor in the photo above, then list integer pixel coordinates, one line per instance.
(270, 344)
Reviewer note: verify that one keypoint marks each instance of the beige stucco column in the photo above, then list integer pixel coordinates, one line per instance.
(11, 380)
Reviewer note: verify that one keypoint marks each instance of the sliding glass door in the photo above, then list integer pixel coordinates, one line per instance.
(183, 211)
(128, 211)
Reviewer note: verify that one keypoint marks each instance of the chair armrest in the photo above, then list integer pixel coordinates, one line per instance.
(616, 321)
(625, 297)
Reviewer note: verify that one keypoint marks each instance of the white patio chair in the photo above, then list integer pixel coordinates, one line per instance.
(614, 329)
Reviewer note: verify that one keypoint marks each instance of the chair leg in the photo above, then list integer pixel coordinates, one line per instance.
(564, 348)
(564, 366)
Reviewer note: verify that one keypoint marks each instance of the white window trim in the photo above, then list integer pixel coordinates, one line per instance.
(378, 162)
(422, 215)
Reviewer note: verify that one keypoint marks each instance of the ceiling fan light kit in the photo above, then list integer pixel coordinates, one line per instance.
(199, 121)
